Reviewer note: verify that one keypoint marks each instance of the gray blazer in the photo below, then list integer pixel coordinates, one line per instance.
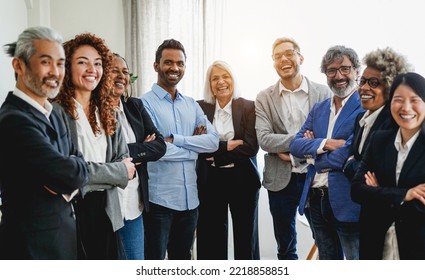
(272, 134)
(102, 175)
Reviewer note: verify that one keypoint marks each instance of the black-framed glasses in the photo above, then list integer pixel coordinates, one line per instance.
(372, 82)
(344, 70)
(289, 54)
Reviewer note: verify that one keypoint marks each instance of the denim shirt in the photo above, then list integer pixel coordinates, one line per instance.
(172, 179)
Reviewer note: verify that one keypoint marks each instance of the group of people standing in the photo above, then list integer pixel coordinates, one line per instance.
(111, 176)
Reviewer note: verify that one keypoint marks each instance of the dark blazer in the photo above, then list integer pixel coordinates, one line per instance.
(243, 115)
(344, 209)
(382, 205)
(34, 153)
(141, 151)
(383, 121)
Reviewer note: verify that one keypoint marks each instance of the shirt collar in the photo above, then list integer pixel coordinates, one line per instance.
(369, 118)
(343, 100)
(45, 110)
(398, 141)
(162, 93)
(302, 88)
(227, 108)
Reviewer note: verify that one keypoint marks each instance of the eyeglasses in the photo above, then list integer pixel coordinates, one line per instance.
(372, 82)
(344, 70)
(289, 54)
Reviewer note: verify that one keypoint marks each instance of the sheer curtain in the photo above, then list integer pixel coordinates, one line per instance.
(197, 24)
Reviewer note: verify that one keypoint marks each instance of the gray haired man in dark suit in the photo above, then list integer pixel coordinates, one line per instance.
(40, 170)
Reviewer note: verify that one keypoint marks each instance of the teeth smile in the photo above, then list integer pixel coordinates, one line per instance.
(51, 83)
(91, 79)
(407, 117)
(366, 97)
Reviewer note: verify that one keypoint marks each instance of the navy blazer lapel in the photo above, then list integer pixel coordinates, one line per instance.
(237, 108)
(417, 152)
(23, 105)
(358, 135)
(131, 112)
(209, 110)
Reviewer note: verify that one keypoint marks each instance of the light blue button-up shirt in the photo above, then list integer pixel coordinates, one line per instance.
(172, 179)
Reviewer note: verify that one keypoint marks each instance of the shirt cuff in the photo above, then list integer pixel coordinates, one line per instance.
(320, 150)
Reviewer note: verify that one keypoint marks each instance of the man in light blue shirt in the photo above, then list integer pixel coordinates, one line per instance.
(170, 225)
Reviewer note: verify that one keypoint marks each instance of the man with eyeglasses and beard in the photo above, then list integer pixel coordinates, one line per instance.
(325, 142)
(40, 170)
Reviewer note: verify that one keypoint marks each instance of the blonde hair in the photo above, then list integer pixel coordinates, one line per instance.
(286, 40)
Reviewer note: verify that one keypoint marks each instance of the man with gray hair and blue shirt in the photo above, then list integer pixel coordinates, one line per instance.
(325, 142)
(281, 109)
(40, 170)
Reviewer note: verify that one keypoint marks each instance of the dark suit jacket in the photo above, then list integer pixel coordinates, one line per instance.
(141, 151)
(243, 115)
(383, 121)
(35, 153)
(344, 209)
(382, 205)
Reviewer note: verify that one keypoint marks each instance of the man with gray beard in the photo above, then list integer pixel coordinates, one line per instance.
(324, 141)
(40, 170)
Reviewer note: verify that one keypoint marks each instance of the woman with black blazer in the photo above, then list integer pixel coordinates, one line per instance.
(145, 143)
(382, 66)
(228, 178)
(390, 182)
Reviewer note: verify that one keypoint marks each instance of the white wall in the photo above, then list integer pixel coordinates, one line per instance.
(13, 19)
(363, 25)
(104, 18)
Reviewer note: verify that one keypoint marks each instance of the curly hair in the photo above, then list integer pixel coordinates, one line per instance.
(389, 63)
(100, 97)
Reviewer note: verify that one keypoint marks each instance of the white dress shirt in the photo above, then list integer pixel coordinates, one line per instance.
(321, 179)
(93, 147)
(367, 122)
(295, 110)
(403, 151)
(223, 123)
(131, 207)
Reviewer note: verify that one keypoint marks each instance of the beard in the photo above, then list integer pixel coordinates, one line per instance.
(40, 87)
(342, 93)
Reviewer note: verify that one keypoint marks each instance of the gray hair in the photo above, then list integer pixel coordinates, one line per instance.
(336, 53)
(208, 94)
(389, 63)
(24, 48)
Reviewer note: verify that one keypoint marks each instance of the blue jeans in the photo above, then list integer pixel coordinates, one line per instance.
(333, 238)
(283, 206)
(132, 241)
(171, 231)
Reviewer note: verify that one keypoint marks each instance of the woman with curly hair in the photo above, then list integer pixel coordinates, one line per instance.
(86, 106)
(382, 66)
